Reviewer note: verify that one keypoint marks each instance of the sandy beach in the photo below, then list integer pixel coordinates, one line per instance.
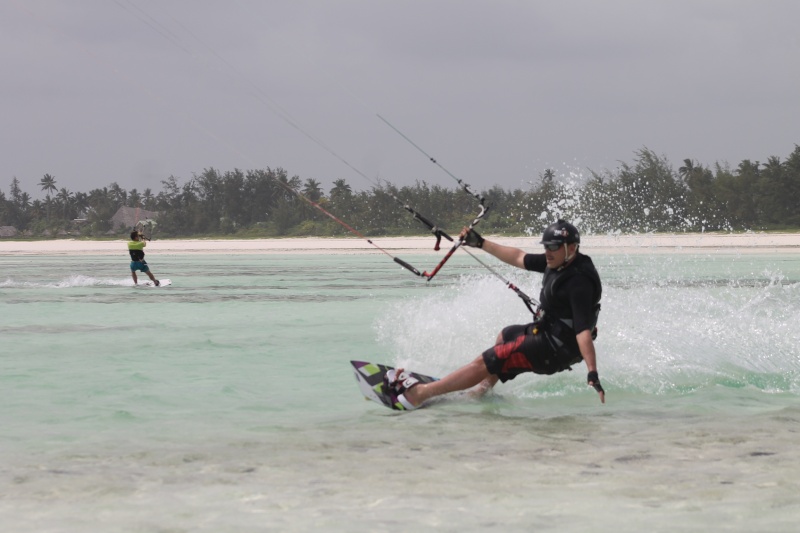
(591, 244)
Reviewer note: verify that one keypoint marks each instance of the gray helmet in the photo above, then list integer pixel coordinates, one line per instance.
(560, 232)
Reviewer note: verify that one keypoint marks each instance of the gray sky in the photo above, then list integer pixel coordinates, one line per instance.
(133, 91)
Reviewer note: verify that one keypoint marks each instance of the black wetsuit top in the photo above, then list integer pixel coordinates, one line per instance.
(570, 297)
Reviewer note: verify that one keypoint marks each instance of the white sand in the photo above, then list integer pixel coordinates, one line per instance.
(591, 244)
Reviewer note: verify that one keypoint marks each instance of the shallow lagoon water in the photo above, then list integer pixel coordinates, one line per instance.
(225, 402)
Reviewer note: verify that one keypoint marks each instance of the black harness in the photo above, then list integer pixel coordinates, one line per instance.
(559, 330)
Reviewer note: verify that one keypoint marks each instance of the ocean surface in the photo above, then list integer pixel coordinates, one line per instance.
(226, 402)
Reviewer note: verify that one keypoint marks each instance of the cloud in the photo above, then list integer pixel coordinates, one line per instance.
(134, 91)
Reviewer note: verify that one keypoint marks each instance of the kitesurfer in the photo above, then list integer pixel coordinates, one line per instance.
(561, 335)
(136, 250)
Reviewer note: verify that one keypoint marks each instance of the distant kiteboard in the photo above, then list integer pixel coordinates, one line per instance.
(370, 380)
(162, 283)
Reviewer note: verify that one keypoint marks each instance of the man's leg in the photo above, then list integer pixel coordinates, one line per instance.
(490, 381)
(464, 378)
(135, 279)
(485, 386)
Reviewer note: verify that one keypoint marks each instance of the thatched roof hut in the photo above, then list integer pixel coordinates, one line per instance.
(8, 231)
(128, 217)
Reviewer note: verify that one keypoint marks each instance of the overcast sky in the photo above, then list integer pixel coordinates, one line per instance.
(133, 91)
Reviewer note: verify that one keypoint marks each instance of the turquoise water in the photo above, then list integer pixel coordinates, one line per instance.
(225, 402)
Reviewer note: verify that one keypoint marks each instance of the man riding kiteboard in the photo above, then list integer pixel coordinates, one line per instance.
(136, 250)
(561, 335)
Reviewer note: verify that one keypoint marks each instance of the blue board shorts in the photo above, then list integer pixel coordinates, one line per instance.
(140, 265)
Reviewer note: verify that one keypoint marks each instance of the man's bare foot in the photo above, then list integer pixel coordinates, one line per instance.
(405, 386)
(414, 395)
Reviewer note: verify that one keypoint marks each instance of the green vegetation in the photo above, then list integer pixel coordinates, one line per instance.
(642, 196)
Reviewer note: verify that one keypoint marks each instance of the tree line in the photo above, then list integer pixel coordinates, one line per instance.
(645, 195)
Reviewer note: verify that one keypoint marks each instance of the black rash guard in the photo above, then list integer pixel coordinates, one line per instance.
(570, 299)
(574, 298)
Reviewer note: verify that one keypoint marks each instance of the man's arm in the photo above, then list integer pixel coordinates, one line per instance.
(507, 254)
(586, 346)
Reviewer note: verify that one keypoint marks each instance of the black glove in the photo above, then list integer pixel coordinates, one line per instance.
(594, 380)
(474, 239)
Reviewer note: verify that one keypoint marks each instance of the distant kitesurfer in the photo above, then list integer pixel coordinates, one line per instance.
(136, 249)
(561, 335)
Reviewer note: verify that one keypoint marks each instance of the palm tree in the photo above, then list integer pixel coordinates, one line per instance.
(288, 184)
(48, 184)
(65, 197)
(148, 198)
(341, 196)
(81, 203)
(775, 199)
(35, 209)
(16, 192)
(312, 190)
(101, 208)
(340, 190)
(118, 194)
(687, 169)
(134, 198)
(24, 201)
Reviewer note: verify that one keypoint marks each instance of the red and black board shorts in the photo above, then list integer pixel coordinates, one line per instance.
(521, 351)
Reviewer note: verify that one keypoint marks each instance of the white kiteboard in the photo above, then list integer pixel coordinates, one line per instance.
(370, 380)
(162, 282)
